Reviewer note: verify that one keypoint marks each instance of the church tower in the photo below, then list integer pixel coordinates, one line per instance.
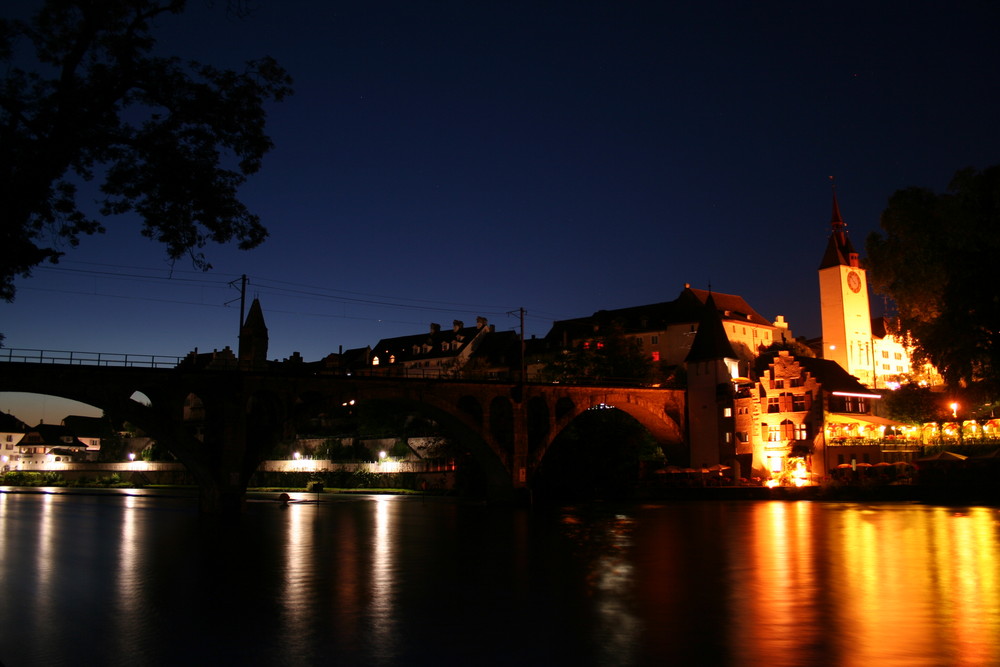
(843, 297)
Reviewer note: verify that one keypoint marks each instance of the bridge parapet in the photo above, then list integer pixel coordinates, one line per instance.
(87, 358)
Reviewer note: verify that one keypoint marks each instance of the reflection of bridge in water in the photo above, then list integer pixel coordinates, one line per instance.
(244, 410)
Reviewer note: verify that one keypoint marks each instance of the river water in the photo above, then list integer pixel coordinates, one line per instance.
(134, 578)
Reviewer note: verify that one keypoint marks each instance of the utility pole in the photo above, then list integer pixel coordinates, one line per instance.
(243, 305)
(524, 363)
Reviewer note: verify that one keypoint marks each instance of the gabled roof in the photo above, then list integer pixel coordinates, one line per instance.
(427, 345)
(11, 424)
(687, 308)
(52, 435)
(833, 377)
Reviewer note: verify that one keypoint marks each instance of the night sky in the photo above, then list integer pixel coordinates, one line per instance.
(445, 160)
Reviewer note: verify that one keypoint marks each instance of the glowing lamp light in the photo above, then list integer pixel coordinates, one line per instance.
(296, 456)
(954, 410)
(131, 456)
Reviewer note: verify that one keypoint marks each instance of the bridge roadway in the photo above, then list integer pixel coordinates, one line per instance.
(221, 423)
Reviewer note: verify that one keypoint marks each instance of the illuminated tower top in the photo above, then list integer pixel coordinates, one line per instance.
(839, 251)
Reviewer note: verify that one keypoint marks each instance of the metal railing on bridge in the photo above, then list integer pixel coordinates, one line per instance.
(10, 354)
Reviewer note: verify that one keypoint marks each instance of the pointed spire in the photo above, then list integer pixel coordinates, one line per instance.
(839, 251)
(253, 336)
(710, 341)
(836, 221)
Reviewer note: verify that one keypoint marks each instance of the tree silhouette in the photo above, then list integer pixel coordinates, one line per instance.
(935, 258)
(82, 98)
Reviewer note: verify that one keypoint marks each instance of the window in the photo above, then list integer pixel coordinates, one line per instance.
(785, 401)
(796, 382)
(655, 340)
(727, 412)
(772, 404)
(898, 356)
(801, 432)
(656, 355)
(787, 430)
(779, 384)
(374, 361)
(885, 354)
(742, 436)
(799, 403)
(773, 433)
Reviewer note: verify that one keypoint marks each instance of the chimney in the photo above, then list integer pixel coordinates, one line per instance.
(435, 327)
(457, 324)
(480, 322)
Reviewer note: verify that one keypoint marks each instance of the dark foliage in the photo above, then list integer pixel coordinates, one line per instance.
(935, 258)
(82, 98)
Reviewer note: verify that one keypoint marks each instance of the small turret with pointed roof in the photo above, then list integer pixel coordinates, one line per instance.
(839, 251)
(253, 337)
(710, 341)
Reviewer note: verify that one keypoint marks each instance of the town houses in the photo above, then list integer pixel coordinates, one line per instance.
(759, 399)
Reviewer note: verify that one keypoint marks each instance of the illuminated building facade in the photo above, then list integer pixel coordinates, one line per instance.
(844, 307)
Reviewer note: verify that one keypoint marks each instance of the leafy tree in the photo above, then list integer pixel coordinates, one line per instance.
(913, 404)
(609, 356)
(935, 258)
(170, 141)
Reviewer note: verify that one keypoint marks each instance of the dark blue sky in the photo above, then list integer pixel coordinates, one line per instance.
(445, 160)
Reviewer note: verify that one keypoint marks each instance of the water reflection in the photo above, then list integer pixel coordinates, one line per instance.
(383, 580)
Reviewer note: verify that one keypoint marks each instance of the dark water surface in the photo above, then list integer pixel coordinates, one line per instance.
(139, 579)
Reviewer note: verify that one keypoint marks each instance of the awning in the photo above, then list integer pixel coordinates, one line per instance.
(864, 420)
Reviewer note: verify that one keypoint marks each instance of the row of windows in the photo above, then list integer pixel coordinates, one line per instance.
(786, 430)
(787, 402)
(898, 356)
(792, 382)
(887, 367)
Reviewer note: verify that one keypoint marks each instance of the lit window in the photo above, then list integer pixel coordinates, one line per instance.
(787, 430)
(374, 361)
(801, 432)
(656, 355)
(727, 412)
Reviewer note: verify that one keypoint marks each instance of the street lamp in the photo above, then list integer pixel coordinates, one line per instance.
(954, 410)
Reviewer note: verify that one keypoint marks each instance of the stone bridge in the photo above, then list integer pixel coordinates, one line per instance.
(221, 423)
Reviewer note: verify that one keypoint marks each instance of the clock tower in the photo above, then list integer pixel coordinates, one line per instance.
(843, 297)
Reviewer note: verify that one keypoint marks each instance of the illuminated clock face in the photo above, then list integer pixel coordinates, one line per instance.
(854, 281)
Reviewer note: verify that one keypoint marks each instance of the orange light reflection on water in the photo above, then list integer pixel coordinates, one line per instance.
(857, 585)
